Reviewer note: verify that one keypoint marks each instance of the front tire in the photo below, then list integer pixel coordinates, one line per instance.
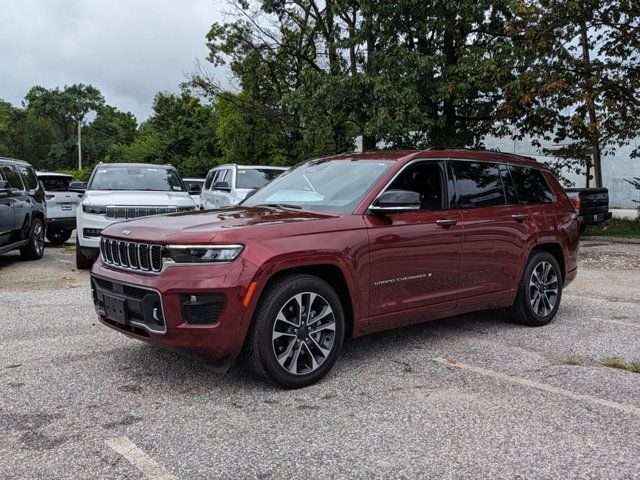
(57, 236)
(82, 261)
(540, 291)
(297, 331)
(35, 248)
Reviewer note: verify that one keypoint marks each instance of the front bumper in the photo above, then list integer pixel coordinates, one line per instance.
(93, 223)
(157, 306)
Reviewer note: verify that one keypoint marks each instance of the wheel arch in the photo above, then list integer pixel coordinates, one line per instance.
(331, 273)
(554, 249)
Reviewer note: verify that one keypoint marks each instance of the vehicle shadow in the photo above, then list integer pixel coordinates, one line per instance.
(169, 371)
(9, 259)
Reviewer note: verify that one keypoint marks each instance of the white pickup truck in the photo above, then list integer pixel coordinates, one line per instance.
(122, 191)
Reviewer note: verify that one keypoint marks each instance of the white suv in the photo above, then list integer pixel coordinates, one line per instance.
(228, 185)
(61, 206)
(122, 191)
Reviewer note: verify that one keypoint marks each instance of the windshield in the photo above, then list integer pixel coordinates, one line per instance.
(136, 178)
(55, 183)
(322, 185)
(255, 177)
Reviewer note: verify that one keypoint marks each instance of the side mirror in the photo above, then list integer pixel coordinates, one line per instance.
(78, 187)
(194, 189)
(4, 186)
(222, 186)
(395, 201)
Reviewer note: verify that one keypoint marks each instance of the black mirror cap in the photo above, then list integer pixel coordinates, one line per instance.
(397, 201)
(78, 187)
(224, 186)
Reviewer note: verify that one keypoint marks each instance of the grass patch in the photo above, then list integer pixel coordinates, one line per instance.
(573, 361)
(615, 227)
(619, 364)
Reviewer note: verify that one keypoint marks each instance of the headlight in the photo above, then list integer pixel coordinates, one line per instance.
(94, 209)
(204, 253)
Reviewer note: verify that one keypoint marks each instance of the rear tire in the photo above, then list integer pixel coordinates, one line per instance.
(297, 331)
(35, 248)
(540, 291)
(57, 236)
(82, 261)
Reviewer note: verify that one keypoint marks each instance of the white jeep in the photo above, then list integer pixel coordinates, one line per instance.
(122, 191)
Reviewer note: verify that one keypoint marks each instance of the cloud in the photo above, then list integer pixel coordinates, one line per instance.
(129, 49)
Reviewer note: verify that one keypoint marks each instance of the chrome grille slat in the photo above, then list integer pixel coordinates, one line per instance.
(144, 257)
(129, 212)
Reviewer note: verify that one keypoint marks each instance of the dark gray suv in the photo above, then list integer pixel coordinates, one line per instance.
(22, 210)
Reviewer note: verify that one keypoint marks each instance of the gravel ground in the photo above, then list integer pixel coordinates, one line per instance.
(466, 397)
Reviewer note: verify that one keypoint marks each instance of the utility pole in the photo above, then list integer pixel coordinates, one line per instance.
(79, 145)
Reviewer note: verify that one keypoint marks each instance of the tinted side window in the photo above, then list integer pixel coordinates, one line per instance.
(12, 177)
(531, 185)
(29, 177)
(427, 179)
(208, 181)
(510, 191)
(479, 184)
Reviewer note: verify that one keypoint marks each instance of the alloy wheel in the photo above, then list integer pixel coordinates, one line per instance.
(38, 237)
(543, 289)
(303, 333)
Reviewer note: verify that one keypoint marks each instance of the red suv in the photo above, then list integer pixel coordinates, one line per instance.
(339, 246)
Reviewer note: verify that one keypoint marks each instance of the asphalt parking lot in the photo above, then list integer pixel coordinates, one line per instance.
(466, 397)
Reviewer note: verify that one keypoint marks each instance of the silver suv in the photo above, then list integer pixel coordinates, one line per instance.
(228, 185)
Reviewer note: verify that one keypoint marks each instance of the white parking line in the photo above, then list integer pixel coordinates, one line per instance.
(617, 322)
(143, 462)
(543, 386)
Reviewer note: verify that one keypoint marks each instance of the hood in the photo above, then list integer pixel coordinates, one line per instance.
(232, 224)
(137, 198)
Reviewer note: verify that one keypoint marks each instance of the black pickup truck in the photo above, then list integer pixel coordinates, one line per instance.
(22, 210)
(592, 205)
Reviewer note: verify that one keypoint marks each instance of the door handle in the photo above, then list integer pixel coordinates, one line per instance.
(519, 217)
(446, 222)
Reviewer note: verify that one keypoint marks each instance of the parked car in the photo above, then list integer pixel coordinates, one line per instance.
(121, 191)
(61, 205)
(22, 210)
(339, 246)
(230, 184)
(592, 205)
(194, 187)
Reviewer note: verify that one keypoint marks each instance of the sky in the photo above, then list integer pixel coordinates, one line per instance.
(129, 49)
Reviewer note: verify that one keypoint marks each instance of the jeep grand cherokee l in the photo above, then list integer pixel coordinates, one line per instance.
(341, 246)
(121, 191)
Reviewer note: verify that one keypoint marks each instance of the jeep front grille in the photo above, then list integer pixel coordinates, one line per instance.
(143, 257)
(125, 213)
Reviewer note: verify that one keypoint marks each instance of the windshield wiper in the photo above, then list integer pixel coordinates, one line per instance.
(279, 205)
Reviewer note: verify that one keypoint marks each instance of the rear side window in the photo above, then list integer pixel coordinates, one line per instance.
(29, 177)
(12, 177)
(479, 184)
(510, 191)
(531, 185)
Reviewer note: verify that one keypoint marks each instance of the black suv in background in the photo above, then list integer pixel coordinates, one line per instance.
(22, 209)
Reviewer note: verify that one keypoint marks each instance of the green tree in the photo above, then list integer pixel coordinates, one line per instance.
(64, 109)
(579, 77)
(180, 131)
(105, 137)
